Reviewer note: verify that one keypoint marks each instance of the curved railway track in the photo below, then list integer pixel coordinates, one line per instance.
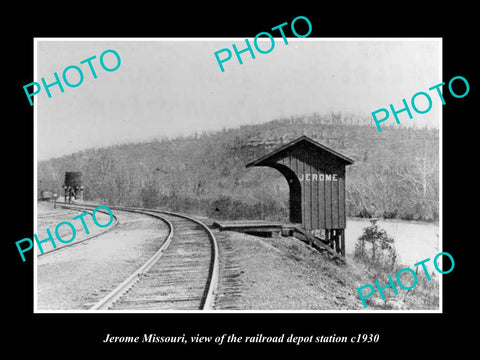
(181, 275)
(77, 242)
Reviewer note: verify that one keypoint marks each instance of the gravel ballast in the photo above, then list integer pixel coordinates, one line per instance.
(76, 277)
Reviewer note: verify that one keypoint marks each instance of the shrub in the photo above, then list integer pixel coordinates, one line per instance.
(148, 196)
(376, 248)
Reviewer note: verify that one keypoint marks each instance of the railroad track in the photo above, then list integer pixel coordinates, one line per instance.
(77, 242)
(181, 275)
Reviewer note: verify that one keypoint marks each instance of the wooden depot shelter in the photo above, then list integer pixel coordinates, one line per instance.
(316, 178)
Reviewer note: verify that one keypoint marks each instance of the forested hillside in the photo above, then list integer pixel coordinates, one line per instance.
(395, 174)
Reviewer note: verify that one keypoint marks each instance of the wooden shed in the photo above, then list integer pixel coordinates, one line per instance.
(316, 178)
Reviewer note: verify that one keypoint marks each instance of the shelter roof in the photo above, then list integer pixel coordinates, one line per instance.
(264, 160)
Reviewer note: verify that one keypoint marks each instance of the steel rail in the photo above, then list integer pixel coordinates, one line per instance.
(121, 289)
(69, 206)
(208, 299)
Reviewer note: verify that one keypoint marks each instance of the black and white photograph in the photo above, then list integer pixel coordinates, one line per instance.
(209, 181)
(266, 186)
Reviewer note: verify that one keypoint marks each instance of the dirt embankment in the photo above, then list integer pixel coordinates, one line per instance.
(285, 274)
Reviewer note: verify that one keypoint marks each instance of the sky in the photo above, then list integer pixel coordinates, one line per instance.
(172, 87)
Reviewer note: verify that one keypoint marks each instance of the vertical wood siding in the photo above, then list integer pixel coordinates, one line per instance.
(322, 202)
